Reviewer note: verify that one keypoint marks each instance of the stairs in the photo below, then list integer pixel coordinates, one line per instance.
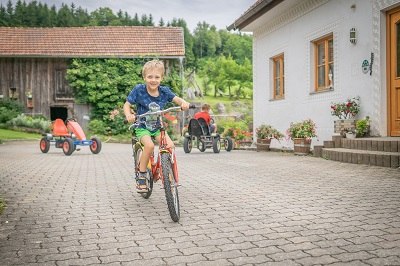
(379, 151)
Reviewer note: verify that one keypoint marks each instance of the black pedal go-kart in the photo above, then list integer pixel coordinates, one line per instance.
(199, 134)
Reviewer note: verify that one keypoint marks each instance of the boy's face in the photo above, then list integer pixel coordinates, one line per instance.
(153, 77)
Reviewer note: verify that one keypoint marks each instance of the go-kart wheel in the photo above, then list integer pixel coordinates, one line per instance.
(228, 143)
(95, 148)
(201, 145)
(187, 144)
(44, 145)
(216, 142)
(68, 146)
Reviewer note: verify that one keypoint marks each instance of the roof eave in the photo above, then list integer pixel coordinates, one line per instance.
(93, 56)
(253, 13)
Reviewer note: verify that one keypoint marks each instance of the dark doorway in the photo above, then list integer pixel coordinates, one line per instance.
(58, 112)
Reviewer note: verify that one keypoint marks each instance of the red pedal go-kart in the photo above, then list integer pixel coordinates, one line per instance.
(67, 136)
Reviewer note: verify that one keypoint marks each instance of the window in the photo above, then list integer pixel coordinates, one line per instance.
(324, 63)
(278, 77)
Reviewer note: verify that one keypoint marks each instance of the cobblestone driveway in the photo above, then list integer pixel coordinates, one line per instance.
(238, 208)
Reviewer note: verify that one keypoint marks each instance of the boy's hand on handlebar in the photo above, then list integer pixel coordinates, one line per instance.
(131, 118)
(185, 105)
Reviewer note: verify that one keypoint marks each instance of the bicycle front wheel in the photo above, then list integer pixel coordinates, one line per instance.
(170, 187)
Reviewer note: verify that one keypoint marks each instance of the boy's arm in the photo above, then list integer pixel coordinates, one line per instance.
(128, 112)
(181, 102)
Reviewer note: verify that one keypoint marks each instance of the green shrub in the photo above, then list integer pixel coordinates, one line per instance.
(9, 109)
(30, 122)
(362, 127)
(97, 126)
(233, 129)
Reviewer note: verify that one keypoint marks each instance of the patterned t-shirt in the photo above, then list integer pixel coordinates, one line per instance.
(142, 99)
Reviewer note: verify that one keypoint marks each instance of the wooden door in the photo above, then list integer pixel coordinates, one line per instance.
(393, 63)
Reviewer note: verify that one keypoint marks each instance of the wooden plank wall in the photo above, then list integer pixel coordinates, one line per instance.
(36, 75)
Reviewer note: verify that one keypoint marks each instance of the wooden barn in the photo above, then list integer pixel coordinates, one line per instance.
(34, 61)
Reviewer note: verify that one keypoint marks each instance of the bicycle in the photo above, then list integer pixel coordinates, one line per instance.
(161, 166)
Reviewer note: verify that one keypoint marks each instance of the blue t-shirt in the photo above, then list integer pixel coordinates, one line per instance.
(141, 98)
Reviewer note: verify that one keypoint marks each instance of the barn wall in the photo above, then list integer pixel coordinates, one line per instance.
(44, 78)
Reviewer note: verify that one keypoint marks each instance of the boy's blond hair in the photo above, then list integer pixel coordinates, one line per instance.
(157, 64)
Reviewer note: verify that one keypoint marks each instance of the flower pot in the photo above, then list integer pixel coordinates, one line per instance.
(302, 146)
(350, 135)
(263, 144)
(29, 103)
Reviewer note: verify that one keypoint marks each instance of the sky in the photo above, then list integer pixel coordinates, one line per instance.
(220, 13)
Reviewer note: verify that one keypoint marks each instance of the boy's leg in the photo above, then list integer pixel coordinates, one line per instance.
(147, 151)
(213, 128)
(141, 181)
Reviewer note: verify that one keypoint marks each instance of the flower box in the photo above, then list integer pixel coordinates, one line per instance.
(263, 144)
(302, 146)
(343, 125)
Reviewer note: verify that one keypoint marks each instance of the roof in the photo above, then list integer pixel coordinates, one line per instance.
(259, 8)
(103, 42)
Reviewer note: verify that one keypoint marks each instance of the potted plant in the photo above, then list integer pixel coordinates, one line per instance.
(362, 127)
(265, 133)
(345, 112)
(301, 133)
(236, 130)
(29, 101)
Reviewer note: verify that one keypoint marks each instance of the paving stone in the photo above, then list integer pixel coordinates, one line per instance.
(322, 260)
(83, 210)
(360, 255)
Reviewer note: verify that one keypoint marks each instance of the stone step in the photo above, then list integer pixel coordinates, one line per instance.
(362, 156)
(371, 144)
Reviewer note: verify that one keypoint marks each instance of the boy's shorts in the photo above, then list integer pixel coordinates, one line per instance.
(140, 132)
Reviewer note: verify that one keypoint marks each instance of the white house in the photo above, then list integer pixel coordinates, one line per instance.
(310, 53)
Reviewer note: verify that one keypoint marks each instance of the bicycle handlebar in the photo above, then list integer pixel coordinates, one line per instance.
(159, 112)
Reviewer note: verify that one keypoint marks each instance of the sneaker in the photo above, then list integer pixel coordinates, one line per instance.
(141, 183)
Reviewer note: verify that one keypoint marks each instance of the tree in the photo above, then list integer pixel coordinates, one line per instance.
(3, 16)
(65, 17)
(239, 46)
(19, 14)
(225, 74)
(161, 23)
(102, 16)
(206, 40)
(188, 38)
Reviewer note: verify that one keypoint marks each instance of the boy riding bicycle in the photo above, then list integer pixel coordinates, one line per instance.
(146, 97)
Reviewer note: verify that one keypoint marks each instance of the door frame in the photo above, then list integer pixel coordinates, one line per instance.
(389, 13)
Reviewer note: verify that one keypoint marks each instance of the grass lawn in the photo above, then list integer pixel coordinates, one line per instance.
(2, 205)
(7, 134)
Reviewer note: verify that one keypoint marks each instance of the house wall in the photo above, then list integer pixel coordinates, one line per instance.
(290, 28)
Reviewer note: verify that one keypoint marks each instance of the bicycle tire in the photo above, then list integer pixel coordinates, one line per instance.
(138, 153)
(170, 187)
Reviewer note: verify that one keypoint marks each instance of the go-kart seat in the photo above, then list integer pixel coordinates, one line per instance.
(204, 126)
(59, 128)
(198, 127)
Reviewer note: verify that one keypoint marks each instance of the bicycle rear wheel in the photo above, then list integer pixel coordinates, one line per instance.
(137, 155)
(170, 187)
